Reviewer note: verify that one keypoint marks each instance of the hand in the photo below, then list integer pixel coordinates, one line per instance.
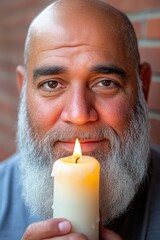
(51, 229)
(107, 234)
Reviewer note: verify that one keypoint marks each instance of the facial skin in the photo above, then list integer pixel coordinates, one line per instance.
(80, 97)
(81, 80)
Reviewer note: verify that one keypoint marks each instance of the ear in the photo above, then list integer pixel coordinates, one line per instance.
(145, 75)
(20, 77)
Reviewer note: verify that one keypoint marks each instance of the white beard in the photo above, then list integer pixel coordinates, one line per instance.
(123, 168)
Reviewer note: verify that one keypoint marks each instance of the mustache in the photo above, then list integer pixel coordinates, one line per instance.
(82, 133)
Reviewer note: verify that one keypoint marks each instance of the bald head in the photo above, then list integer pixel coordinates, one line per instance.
(81, 16)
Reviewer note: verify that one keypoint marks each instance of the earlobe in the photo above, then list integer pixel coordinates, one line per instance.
(20, 77)
(145, 75)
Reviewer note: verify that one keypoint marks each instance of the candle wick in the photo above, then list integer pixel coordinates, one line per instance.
(77, 159)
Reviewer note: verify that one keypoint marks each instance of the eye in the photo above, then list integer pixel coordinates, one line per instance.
(51, 85)
(106, 83)
(106, 86)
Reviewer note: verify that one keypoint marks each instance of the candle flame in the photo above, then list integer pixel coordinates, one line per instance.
(77, 149)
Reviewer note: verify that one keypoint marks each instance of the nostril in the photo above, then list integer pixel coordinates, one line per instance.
(79, 116)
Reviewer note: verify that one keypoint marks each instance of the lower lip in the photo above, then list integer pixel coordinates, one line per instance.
(85, 146)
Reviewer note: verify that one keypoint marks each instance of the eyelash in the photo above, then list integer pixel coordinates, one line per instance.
(106, 84)
(54, 82)
(108, 81)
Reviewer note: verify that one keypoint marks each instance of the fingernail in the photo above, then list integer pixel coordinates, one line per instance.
(64, 226)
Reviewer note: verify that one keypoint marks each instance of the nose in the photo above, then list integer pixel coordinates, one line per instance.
(79, 108)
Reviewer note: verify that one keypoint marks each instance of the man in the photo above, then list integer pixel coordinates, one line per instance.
(82, 78)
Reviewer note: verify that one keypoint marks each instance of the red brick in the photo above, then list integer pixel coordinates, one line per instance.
(8, 87)
(8, 109)
(8, 130)
(155, 131)
(14, 21)
(138, 29)
(15, 17)
(13, 7)
(132, 5)
(6, 65)
(153, 28)
(8, 94)
(154, 96)
(7, 148)
(152, 56)
(16, 37)
(5, 153)
(7, 139)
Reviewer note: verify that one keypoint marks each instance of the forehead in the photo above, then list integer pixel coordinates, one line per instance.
(68, 35)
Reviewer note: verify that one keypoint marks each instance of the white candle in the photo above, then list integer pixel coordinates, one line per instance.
(76, 193)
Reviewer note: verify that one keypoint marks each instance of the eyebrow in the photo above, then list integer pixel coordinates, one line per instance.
(109, 69)
(46, 71)
(98, 69)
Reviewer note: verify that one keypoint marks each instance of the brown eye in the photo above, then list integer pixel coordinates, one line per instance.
(52, 84)
(106, 83)
(106, 86)
(52, 87)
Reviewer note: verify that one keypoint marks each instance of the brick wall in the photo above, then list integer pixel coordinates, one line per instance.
(145, 16)
(15, 17)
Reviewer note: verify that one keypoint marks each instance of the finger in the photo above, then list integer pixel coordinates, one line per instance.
(107, 234)
(46, 229)
(70, 236)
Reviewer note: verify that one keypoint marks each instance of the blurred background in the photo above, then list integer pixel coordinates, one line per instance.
(15, 17)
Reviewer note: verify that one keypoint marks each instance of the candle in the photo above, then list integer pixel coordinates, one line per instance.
(76, 192)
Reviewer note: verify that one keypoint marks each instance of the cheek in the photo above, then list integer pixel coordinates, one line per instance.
(116, 113)
(43, 114)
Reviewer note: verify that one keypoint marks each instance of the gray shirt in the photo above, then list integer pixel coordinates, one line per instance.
(142, 220)
(14, 217)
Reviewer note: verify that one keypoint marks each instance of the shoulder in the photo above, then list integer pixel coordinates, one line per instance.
(9, 170)
(155, 158)
(153, 200)
(14, 216)
(154, 171)
(9, 163)
(155, 151)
